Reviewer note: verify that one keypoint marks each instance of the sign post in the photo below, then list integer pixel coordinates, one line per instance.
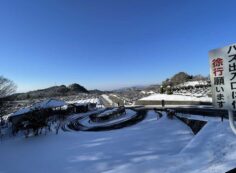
(231, 121)
(223, 80)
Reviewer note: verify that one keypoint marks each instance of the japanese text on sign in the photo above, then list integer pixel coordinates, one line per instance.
(223, 77)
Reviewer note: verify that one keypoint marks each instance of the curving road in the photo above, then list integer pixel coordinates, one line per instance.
(82, 123)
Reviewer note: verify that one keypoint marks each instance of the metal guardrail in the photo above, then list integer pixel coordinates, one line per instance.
(159, 102)
(210, 112)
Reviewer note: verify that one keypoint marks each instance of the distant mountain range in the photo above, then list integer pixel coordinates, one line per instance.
(54, 91)
(74, 89)
(132, 88)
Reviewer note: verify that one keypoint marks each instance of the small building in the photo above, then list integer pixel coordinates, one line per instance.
(20, 114)
(78, 108)
(35, 114)
(92, 105)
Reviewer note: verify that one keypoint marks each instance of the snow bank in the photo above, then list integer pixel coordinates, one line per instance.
(215, 148)
(173, 97)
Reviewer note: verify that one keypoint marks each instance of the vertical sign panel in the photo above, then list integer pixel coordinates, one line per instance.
(223, 77)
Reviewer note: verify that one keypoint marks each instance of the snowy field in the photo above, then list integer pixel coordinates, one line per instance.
(151, 146)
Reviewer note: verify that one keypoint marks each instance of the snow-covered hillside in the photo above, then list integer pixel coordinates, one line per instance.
(193, 83)
(153, 145)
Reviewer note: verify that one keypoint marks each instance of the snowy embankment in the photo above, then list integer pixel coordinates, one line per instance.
(212, 150)
(173, 97)
(95, 152)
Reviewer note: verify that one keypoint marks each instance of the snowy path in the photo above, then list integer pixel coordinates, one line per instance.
(95, 152)
(107, 102)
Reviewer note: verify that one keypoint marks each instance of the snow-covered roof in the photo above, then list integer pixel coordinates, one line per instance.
(84, 101)
(21, 111)
(51, 103)
(173, 97)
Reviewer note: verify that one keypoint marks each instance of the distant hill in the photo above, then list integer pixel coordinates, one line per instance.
(154, 88)
(182, 77)
(128, 89)
(178, 79)
(99, 92)
(54, 91)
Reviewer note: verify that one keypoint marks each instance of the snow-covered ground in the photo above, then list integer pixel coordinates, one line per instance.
(151, 146)
(212, 150)
(173, 97)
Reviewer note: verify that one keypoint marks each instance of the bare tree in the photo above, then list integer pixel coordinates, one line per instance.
(7, 87)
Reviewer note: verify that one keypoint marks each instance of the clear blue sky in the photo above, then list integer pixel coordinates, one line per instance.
(108, 44)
